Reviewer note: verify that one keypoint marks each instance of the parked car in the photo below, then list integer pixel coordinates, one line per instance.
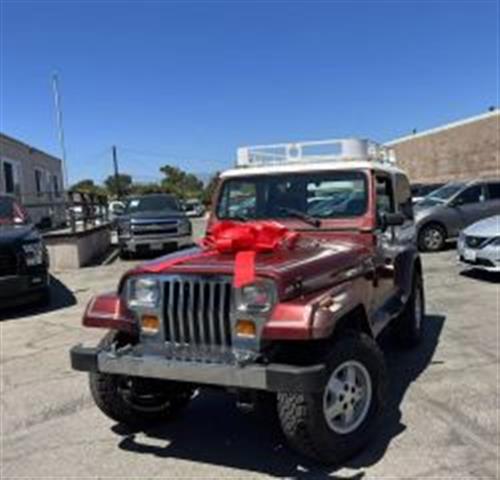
(194, 208)
(153, 223)
(420, 190)
(116, 208)
(453, 207)
(289, 310)
(479, 245)
(24, 261)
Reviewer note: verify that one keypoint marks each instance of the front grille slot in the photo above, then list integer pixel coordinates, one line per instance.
(8, 263)
(197, 311)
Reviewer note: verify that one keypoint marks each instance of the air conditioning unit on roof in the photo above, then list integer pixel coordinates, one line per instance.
(351, 149)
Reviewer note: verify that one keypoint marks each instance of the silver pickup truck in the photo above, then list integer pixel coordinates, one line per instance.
(153, 223)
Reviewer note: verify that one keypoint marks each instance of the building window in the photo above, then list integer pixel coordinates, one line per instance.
(38, 182)
(55, 186)
(8, 175)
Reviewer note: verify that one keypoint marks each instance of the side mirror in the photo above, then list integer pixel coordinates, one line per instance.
(391, 220)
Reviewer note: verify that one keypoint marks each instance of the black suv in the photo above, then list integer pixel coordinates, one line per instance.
(24, 261)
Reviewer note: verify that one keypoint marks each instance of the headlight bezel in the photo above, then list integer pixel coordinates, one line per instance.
(247, 301)
(145, 283)
(33, 253)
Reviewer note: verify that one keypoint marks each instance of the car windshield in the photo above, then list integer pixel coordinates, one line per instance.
(316, 195)
(446, 191)
(154, 203)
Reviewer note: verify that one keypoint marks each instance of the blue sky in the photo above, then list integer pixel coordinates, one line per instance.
(187, 82)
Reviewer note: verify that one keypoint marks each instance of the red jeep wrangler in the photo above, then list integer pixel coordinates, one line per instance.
(309, 254)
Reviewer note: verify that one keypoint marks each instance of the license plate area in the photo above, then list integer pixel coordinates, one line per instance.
(469, 255)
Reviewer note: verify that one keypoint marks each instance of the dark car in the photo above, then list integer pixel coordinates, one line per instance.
(24, 261)
(152, 223)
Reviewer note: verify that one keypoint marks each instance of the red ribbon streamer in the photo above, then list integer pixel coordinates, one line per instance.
(245, 241)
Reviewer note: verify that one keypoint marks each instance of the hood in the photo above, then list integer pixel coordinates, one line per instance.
(488, 227)
(12, 234)
(311, 265)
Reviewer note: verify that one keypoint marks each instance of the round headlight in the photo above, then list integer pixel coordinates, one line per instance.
(258, 297)
(144, 292)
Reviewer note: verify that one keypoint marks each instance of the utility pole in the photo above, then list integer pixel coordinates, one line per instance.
(117, 174)
(57, 102)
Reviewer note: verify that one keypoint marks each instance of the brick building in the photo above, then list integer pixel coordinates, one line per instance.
(469, 148)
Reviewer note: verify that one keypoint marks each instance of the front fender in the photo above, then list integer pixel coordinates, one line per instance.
(316, 316)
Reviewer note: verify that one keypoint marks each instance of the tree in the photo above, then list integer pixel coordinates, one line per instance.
(145, 188)
(210, 188)
(181, 184)
(118, 186)
(87, 186)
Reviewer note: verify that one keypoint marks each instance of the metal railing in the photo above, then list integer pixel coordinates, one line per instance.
(74, 209)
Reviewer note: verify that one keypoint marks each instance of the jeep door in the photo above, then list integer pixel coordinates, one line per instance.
(385, 244)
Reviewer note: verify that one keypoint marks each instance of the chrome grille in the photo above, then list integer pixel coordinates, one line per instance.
(197, 312)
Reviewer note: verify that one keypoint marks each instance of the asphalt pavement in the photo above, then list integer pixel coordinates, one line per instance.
(441, 421)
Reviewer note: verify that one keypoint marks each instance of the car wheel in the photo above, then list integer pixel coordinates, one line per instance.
(134, 401)
(332, 425)
(124, 254)
(409, 326)
(431, 238)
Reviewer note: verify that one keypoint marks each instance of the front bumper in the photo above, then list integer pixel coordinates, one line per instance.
(153, 242)
(16, 289)
(486, 258)
(271, 377)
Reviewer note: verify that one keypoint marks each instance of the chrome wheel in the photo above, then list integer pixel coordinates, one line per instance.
(432, 239)
(347, 397)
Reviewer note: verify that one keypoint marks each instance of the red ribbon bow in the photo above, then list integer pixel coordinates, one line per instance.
(245, 241)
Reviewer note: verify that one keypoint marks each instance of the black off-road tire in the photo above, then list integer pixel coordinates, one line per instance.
(107, 394)
(301, 415)
(439, 234)
(408, 327)
(124, 254)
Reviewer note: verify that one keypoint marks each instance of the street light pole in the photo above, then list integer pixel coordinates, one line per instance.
(59, 117)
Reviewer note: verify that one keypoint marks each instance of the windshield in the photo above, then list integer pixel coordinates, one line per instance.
(447, 191)
(154, 203)
(319, 195)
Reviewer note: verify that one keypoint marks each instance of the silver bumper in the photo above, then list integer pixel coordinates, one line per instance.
(271, 377)
(132, 242)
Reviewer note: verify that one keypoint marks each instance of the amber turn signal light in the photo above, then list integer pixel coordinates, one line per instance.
(150, 323)
(246, 328)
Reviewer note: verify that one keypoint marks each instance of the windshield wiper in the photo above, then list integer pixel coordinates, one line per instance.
(315, 222)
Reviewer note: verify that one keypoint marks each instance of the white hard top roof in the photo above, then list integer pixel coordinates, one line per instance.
(316, 156)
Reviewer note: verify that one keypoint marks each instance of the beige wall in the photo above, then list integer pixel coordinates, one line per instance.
(466, 150)
(28, 158)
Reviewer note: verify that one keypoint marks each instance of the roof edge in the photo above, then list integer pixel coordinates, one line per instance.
(28, 146)
(447, 126)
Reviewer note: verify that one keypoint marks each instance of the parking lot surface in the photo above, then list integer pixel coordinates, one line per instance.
(441, 421)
